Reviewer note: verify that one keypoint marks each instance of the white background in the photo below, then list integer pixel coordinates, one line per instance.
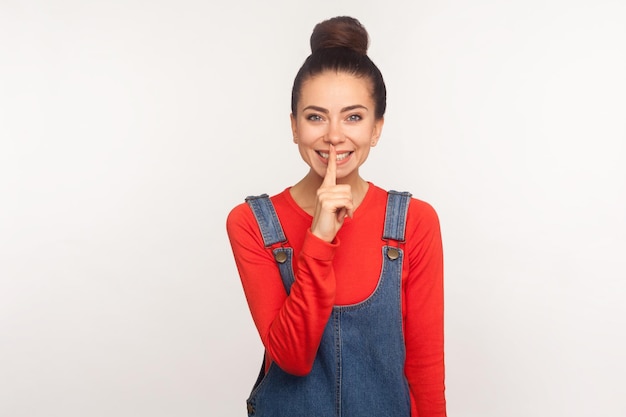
(129, 129)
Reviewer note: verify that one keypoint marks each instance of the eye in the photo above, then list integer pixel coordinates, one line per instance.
(314, 117)
(354, 117)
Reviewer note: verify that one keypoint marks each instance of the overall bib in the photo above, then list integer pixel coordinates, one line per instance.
(359, 367)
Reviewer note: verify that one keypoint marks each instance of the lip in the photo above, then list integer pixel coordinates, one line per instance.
(324, 159)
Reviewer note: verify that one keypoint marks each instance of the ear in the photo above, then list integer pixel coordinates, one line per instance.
(377, 131)
(294, 128)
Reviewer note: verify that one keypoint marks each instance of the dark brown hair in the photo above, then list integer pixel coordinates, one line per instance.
(340, 44)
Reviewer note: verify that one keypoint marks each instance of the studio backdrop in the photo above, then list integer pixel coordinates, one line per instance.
(129, 130)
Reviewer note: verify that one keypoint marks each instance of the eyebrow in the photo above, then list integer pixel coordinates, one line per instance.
(345, 109)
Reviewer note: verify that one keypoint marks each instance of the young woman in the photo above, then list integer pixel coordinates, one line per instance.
(344, 280)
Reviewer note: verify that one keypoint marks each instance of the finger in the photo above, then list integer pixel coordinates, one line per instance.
(342, 213)
(330, 178)
(342, 207)
(347, 209)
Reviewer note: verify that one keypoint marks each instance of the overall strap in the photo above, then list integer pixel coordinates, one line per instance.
(395, 215)
(266, 217)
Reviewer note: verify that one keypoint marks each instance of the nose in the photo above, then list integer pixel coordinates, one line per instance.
(334, 134)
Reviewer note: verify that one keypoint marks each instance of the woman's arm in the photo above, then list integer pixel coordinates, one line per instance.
(423, 292)
(290, 327)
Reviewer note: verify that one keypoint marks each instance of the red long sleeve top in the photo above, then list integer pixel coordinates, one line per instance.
(340, 273)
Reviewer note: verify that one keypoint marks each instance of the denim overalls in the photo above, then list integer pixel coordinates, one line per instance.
(359, 367)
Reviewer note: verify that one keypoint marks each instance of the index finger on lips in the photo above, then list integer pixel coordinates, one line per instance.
(331, 168)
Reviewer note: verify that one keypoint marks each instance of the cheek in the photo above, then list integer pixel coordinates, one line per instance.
(308, 135)
(306, 150)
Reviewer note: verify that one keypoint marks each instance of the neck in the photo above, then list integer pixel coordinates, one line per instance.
(305, 191)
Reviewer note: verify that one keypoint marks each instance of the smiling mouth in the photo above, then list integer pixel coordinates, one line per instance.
(340, 156)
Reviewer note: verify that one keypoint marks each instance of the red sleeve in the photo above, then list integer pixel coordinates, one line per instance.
(290, 327)
(423, 292)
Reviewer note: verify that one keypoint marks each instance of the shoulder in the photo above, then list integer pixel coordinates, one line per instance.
(241, 218)
(240, 213)
(419, 210)
(422, 218)
(422, 212)
(423, 230)
(241, 224)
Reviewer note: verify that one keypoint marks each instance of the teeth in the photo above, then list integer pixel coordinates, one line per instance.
(340, 156)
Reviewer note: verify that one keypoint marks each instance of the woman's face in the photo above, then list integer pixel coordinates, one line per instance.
(336, 108)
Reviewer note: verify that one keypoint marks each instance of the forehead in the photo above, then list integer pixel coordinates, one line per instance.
(341, 87)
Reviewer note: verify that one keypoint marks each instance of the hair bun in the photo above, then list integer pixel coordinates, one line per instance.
(340, 32)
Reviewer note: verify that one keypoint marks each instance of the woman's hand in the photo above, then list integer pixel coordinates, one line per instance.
(333, 204)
